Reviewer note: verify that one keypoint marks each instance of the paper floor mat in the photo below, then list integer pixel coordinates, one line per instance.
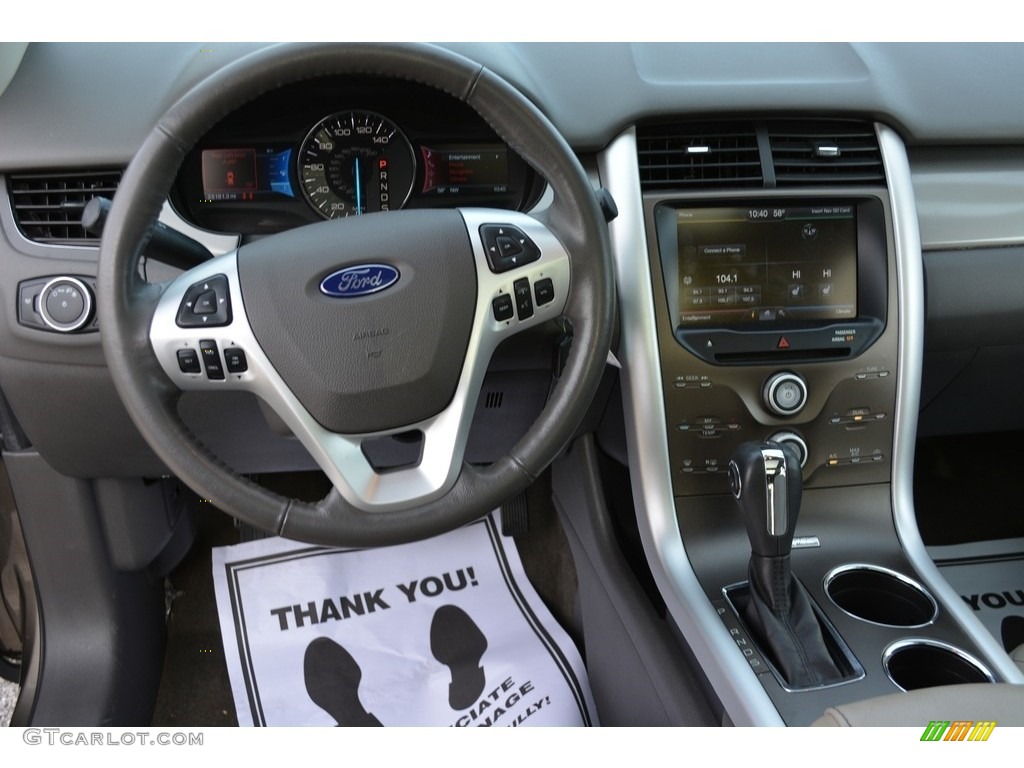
(993, 586)
(442, 632)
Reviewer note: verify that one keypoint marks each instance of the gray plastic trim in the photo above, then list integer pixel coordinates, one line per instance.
(340, 456)
(910, 287)
(967, 196)
(736, 685)
(11, 55)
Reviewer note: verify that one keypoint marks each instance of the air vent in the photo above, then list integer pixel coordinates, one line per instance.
(825, 152)
(48, 206)
(698, 155)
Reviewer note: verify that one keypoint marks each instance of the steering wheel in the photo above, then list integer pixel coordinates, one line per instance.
(358, 328)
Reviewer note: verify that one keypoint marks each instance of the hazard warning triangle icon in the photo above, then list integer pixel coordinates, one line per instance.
(783, 343)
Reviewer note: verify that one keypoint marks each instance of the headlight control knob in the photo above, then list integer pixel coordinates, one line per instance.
(65, 304)
(785, 394)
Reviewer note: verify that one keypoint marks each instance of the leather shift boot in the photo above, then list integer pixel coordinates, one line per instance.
(780, 616)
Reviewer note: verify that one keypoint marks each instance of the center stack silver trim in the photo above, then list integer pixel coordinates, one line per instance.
(734, 682)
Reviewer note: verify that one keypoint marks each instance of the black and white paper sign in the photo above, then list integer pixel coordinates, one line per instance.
(444, 632)
(993, 587)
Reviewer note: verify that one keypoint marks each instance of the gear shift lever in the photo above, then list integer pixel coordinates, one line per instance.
(766, 481)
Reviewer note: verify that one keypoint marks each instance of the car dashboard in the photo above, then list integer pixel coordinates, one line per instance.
(820, 256)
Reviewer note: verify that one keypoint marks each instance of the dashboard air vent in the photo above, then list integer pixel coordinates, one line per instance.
(825, 152)
(48, 206)
(698, 155)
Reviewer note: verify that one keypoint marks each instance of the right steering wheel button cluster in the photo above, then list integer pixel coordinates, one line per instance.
(507, 247)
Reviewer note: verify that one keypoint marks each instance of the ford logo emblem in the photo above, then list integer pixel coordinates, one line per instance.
(360, 280)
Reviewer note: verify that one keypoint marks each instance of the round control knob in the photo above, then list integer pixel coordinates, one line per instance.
(785, 394)
(794, 441)
(65, 304)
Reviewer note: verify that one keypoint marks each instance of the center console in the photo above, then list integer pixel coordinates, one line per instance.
(785, 318)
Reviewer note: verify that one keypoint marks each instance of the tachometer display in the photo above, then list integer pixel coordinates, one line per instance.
(356, 162)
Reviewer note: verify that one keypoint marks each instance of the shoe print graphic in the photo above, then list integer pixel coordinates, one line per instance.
(457, 642)
(332, 682)
(1012, 630)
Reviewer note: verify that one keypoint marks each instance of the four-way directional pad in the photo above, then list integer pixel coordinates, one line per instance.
(507, 247)
(206, 304)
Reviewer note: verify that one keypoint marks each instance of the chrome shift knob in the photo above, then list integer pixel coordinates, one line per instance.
(766, 481)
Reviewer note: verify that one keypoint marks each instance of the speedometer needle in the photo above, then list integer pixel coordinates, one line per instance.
(359, 189)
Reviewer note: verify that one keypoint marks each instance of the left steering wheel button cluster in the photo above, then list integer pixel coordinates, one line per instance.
(206, 304)
(507, 247)
(211, 359)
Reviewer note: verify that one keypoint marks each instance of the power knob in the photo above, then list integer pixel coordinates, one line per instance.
(785, 394)
(65, 304)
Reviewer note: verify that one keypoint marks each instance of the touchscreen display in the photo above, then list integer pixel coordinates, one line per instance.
(755, 264)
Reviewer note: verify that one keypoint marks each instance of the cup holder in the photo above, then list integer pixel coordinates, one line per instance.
(914, 664)
(880, 596)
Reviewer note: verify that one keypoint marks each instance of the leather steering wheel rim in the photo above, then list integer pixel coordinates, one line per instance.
(126, 303)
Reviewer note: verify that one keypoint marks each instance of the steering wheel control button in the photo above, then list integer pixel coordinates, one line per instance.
(544, 291)
(235, 360)
(785, 394)
(188, 361)
(65, 304)
(211, 359)
(524, 300)
(206, 304)
(507, 247)
(502, 308)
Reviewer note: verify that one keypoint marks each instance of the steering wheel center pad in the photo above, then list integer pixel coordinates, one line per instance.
(376, 361)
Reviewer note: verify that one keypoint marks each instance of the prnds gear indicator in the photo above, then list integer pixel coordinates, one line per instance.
(356, 162)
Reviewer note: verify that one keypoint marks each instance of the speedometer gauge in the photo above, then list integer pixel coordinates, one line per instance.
(356, 162)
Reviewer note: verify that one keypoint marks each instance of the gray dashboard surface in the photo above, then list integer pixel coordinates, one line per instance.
(56, 111)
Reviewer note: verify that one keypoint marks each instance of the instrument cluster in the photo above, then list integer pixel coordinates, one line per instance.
(338, 147)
